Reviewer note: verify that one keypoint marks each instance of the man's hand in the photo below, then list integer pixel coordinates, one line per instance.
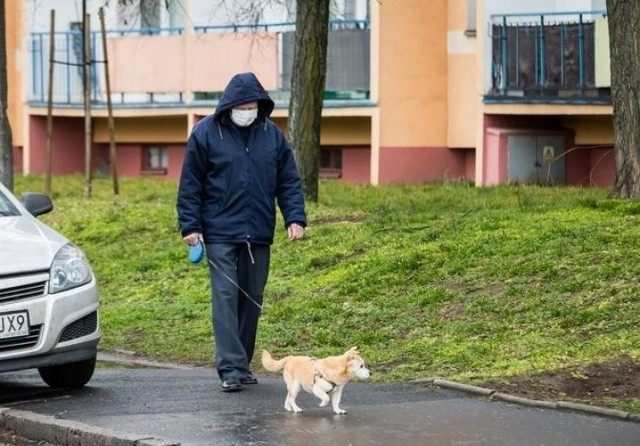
(193, 238)
(295, 231)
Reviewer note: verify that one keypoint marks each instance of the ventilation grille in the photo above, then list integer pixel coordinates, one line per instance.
(81, 327)
(20, 292)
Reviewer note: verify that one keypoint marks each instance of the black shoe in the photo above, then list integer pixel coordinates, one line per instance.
(231, 385)
(249, 379)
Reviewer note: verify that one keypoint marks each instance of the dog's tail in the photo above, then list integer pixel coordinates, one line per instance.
(271, 364)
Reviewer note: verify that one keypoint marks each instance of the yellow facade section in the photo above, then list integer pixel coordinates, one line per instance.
(412, 81)
(165, 129)
(590, 130)
(346, 131)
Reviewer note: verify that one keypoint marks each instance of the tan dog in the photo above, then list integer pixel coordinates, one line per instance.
(325, 378)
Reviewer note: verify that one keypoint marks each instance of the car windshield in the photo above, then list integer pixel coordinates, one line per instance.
(7, 209)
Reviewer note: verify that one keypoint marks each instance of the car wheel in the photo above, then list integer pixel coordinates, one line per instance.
(73, 374)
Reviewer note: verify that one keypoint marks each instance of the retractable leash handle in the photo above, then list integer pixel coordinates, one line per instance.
(196, 252)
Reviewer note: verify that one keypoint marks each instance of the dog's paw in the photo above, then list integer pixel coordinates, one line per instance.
(340, 412)
(324, 402)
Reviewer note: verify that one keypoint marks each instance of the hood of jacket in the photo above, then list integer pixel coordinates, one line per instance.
(243, 88)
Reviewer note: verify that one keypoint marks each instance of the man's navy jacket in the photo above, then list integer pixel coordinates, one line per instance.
(228, 189)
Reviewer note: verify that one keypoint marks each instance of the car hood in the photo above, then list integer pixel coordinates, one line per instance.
(27, 244)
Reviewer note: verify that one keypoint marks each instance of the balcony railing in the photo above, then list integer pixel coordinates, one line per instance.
(175, 67)
(548, 57)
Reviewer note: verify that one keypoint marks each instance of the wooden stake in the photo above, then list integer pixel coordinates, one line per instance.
(47, 178)
(87, 107)
(112, 130)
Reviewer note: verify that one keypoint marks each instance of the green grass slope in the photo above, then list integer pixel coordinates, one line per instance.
(471, 284)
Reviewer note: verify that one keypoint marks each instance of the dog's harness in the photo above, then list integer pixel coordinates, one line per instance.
(318, 376)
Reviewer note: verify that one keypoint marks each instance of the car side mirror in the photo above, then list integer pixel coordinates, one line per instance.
(36, 203)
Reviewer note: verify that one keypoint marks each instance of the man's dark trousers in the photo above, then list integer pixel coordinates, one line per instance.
(236, 269)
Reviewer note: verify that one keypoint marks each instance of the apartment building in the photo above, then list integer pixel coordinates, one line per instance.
(546, 101)
(422, 91)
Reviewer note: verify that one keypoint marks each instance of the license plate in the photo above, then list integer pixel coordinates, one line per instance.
(13, 325)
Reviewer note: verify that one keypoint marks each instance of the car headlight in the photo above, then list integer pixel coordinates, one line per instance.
(70, 268)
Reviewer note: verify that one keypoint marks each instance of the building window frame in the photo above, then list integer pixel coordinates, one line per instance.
(155, 159)
(330, 162)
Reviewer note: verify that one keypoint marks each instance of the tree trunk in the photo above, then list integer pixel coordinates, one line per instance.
(6, 144)
(624, 44)
(307, 89)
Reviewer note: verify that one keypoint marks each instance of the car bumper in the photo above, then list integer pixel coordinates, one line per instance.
(64, 327)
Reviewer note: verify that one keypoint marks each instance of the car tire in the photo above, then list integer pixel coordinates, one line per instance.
(73, 374)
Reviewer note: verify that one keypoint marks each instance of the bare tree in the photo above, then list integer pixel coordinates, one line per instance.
(307, 89)
(624, 35)
(307, 77)
(142, 13)
(6, 141)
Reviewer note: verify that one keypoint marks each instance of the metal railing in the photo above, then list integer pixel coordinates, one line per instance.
(68, 78)
(545, 57)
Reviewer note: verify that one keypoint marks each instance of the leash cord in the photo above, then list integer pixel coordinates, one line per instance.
(235, 284)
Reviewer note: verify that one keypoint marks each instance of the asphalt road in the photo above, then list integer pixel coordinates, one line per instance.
(185, 406)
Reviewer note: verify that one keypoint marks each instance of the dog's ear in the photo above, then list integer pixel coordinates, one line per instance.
(352, 352)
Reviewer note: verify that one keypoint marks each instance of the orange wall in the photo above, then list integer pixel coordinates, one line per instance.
(15, 77)
(412, 89)
(461, 78)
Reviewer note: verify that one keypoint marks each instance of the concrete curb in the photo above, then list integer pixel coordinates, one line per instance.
(44, 428)
(559, 405)
(131, 359)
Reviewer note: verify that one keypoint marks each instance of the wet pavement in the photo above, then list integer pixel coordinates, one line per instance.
(185, 406)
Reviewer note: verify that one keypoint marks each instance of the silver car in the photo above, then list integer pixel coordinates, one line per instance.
(48, 296)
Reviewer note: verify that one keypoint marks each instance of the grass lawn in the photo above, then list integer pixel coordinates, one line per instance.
(508, 285)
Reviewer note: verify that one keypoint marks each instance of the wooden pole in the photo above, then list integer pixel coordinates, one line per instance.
(87, 107)
(112, 130)
(47, 178)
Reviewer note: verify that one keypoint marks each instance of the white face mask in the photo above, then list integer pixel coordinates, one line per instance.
(243, 118)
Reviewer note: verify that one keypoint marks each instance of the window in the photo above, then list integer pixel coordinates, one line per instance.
(155, 159)
(471, 18)
(330, 162)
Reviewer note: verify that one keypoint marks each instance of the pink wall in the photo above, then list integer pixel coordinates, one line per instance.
(18, 154)
(176, 156)
(470, 163)
(591, 167)
(68, 151)
(492, 153)
(67, 145)
(130, 160)
(139, 63)
(584, 166)
(356, 165)
(420, 164)
(603, 167)
(215, 58)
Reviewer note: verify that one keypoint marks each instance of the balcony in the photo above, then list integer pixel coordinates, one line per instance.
(174, 67)
(549, 58)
